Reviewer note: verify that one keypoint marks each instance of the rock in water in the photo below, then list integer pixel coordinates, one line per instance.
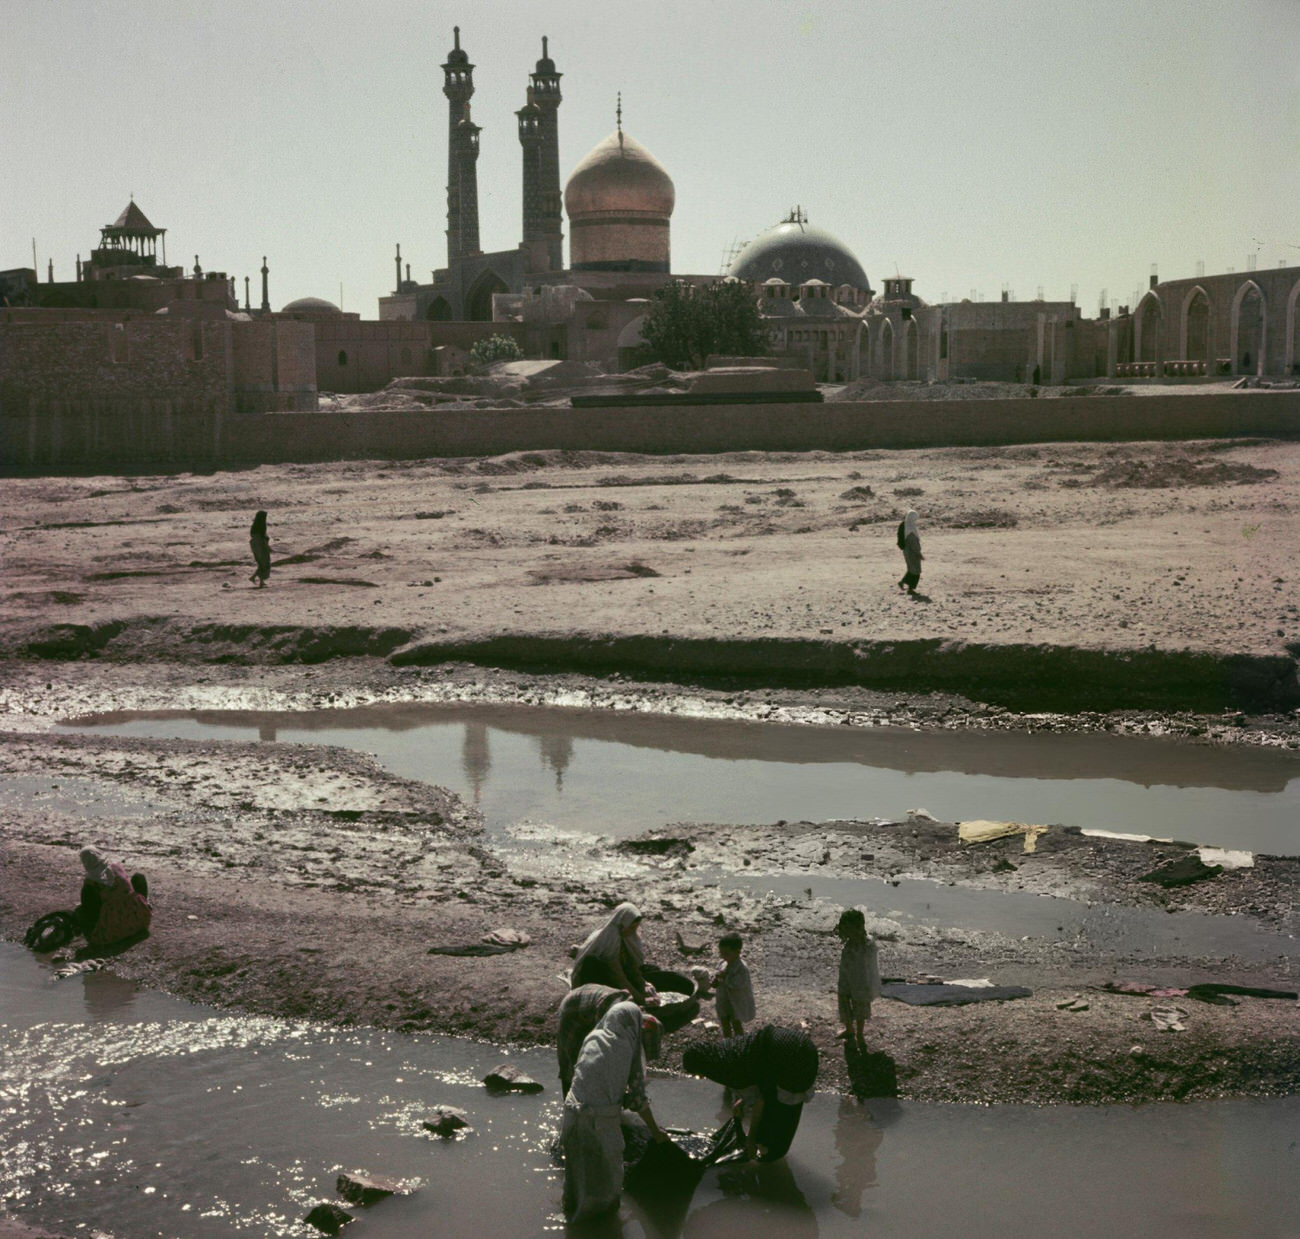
(364, 1189)
(329, 1219)
(508, 1079)
(446, 1120)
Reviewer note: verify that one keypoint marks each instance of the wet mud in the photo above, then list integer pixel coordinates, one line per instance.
(308, 881)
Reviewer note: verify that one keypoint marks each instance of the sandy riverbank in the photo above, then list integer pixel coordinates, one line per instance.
(306, 881)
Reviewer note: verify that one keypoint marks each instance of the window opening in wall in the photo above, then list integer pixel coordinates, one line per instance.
(343, 357)
(197, 350)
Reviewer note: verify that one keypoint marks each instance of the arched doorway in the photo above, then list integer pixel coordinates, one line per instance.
(1196, 327)
(439, 311)
(1249, 329)
(910, 349)
(885, 350)
(1147, 323)
(478, 303)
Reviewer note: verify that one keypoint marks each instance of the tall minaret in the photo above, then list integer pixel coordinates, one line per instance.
(530, 138)
(458, 86)
(467, 179)
(546, 95)
(266, 293)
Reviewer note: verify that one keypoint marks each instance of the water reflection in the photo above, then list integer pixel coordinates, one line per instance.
(476, 758)
(763, 1198)
(856, 1140)
(106, 994)
(556, 751)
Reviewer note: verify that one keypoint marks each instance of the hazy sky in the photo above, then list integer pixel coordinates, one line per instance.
(972, 144)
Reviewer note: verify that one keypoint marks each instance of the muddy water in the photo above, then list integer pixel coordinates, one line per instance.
(624, 773)
(141, 1116)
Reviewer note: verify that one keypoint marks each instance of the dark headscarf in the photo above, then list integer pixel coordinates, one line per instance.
(258, 528)
(774, 1059)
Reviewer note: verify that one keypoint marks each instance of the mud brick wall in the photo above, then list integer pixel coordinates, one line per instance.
(26, 443)
(273, 366)
(779, 427)
(186, 360)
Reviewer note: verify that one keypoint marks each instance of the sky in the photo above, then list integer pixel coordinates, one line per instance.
(974, 145)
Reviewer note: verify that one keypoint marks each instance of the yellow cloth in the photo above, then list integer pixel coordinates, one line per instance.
(982, 832)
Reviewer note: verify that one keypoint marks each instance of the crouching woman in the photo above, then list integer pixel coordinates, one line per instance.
(608, 1077)
(113, 907)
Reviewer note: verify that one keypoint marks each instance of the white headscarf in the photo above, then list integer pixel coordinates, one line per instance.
(607, 941)
(97, 867)
(909, 523)
(609, 1064)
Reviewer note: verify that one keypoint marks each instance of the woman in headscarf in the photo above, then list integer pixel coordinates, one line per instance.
(260, 543)
(580, 1012)
(608, 1077)
(775, 1069)
(613, 955)
(909, 542)
(113, 907)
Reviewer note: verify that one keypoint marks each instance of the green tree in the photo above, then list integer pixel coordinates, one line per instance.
(495, 348)
(687, 322)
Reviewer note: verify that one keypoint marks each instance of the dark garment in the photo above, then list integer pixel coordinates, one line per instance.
(912, 554)
(261, 548)
(770, 1059)
(110, 914)
(591, 970)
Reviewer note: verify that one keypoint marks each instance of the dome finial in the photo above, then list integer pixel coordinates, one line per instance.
(545, 53)
(456, 32)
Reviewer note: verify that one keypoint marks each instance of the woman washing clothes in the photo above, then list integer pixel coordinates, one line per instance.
(613, 955)
(113, 907)
(580, 1012)
(774, 1069)
(608, 1077)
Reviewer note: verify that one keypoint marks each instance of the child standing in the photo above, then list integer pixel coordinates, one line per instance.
(859, 981)
(735, 990)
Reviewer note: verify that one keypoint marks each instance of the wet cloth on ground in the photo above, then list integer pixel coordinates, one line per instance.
(949, 995)
(981, 831)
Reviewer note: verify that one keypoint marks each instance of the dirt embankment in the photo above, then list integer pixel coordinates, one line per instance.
(1064, 577)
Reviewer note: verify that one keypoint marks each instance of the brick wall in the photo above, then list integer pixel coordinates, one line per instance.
(417, 434)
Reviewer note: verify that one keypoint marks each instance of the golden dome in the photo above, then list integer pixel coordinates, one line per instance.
(619, 175)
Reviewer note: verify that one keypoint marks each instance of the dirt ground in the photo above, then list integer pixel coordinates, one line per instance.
(1129, 587)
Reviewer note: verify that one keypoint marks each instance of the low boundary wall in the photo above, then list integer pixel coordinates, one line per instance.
(30, 443)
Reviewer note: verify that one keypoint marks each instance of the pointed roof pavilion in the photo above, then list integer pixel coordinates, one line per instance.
(134, 222)
(131, 233)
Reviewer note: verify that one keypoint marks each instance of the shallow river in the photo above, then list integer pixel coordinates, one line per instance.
(141, 1116)
(621, 774)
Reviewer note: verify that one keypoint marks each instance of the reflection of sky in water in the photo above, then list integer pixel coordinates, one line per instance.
(613, 787)
(144, 1116)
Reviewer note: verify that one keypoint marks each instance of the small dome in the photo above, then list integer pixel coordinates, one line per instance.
(619, 175)
(799, 253)
(313, 305)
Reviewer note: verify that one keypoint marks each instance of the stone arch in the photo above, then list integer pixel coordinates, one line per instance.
(1291, 352)
(478, 301)
(1148, 319)
(438, 311)
(1248, 329)
(884, 367)
(911, 349)
(1195, 337)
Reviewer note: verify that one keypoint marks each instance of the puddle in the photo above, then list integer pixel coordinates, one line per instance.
(621, 774)
(145, 1116)
(74, 794)
(1106, 929)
